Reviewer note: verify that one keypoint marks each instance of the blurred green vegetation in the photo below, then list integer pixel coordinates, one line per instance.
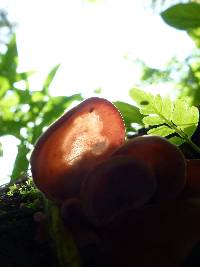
(7, 29)
(24, 113)
(182, 76)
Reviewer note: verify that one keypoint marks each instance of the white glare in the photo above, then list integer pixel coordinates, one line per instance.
(91, 41)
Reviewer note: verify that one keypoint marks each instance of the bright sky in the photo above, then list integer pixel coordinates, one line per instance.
(92, 42)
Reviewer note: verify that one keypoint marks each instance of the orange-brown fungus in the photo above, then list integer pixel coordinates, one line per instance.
(165, 159)
(115, 185)
(193, 177)
(73, 145)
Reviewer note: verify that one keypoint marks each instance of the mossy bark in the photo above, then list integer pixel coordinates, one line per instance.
(20, 245)
(25, 241)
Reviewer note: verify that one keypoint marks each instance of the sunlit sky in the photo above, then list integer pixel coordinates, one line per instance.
(92, 42)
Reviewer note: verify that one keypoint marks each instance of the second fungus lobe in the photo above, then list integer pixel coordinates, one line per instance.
(165, 159)
(115, 185)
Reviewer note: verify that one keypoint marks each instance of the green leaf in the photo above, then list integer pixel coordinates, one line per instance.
(163, 130)
(185, 117)
(152, 120)
(167, 107)
(49, 79)
(64, 244)
(130, 113)
(8, 66)
(183, 16)
(143, 99)
(176, 140)
(167, 117)
(21, 161)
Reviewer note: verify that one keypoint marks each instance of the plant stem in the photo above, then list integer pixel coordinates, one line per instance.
(67, 252)
(193, 145)
(180, 133)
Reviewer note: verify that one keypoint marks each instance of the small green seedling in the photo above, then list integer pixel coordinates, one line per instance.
(176, 120)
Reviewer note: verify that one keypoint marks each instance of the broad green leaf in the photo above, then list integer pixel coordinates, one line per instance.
(183, 16)
(180, 108)
(64, 244)
(21, 161)
(143, 99)
(49, 79)
(176, 140)
(130, 114)
(177, 117)
(167, 107)
(185, 117)
(161, 130)
(149, 104)
(158, 103)
(152, 120)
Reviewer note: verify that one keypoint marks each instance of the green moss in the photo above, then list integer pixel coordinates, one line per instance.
(29, 195)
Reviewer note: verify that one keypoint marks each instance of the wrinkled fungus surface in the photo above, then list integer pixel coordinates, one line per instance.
(86, 137)
(161, 235)
(193, 177)
(74, 145)
(165, 159)
(115, 185)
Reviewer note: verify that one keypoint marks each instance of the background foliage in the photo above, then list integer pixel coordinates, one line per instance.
(24, 113)
(184, 76)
